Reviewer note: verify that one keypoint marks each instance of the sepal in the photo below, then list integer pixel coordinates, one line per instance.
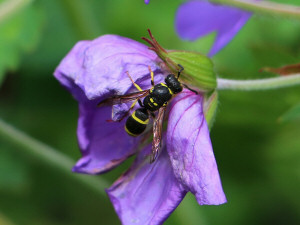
(210, 107)
(198, 68)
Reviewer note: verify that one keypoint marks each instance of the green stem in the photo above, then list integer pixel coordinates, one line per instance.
(264, 7)
(259, 84)
(48, 155)
(10, 7)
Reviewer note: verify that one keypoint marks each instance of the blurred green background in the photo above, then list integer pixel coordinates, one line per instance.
(258, 154)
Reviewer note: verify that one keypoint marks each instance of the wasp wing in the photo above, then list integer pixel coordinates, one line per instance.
(157, 134)
(119, 99)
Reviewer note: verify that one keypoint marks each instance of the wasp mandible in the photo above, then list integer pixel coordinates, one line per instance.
(155, 99)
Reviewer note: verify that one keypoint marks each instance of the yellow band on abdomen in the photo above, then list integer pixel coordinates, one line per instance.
(139, 120)
(128, 132)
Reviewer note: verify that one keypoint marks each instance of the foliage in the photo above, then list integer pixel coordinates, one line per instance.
(258, 158)
(19, 33)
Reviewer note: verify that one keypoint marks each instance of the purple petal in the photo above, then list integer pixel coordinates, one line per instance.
(147, 193)
(103, 144)
(92, 71)
(190, 150)
(195, 19)
(147, 1)
(99, 67)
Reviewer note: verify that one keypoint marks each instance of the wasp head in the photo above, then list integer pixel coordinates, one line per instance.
(173, 83)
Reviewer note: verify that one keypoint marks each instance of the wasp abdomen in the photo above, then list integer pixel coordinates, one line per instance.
(137, 122)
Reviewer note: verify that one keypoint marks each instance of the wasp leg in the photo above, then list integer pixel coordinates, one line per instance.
(135, 84)
(153, 115)
(119, 120)
(127, 113)
(187, 87)
(140, 103)
(133, 104)
(152, 76)
(179, 71)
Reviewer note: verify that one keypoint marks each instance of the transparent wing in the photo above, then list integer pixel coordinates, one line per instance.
(157, 134)
(119, 99)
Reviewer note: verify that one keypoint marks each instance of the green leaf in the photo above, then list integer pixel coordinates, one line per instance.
(292, 114)
(18, 34)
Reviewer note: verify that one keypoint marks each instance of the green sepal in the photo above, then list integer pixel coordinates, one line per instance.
(210, 107)
(198, 68)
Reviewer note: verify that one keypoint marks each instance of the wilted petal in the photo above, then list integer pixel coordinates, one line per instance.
(190, 149)
(195, 19)
(147, 193)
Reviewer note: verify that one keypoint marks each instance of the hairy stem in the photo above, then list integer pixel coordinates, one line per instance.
(48, 155)
(264, 7)
(259, 84)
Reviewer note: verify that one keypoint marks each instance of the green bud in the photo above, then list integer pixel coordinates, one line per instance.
(210, 107)
(198, 69)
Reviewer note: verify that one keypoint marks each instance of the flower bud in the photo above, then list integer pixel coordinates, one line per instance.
(198, 68)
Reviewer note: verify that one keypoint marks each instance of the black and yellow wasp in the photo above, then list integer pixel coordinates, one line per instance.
(155, 99)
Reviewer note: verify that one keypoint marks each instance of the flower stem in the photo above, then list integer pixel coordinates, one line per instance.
(259, 84)
(10, 7)
(264, 7)
(48, 155)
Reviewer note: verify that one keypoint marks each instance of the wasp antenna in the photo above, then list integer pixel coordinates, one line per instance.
(182, 68)
(179, 71)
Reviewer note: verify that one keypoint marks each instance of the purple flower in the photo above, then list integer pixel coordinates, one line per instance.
(147, 1)
(197, 18)
(146, 193)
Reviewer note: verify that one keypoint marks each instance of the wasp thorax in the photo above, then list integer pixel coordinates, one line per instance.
(161, 93)
(173, 83)
(158, 97)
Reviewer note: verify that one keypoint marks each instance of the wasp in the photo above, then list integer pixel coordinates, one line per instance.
(155, 99)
